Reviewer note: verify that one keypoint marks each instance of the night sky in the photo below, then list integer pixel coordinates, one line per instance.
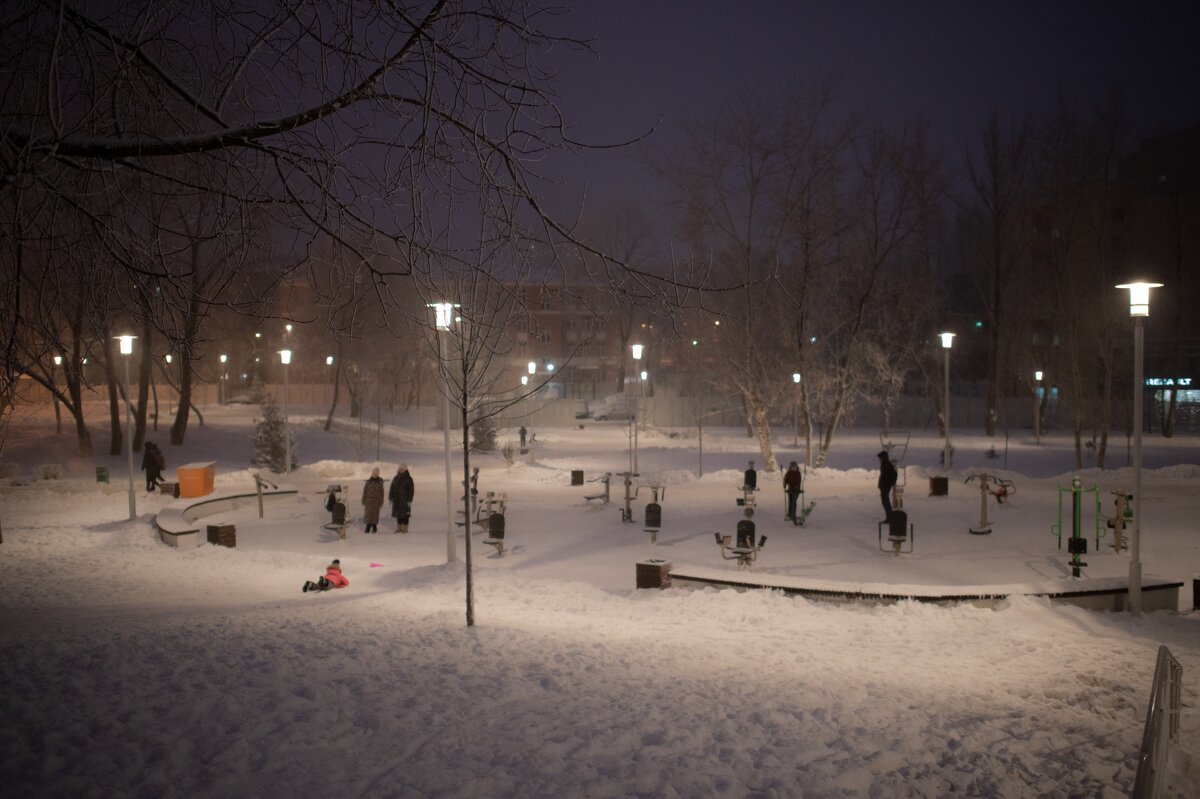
(673, 63)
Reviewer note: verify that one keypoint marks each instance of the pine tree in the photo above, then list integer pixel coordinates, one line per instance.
(269, 448)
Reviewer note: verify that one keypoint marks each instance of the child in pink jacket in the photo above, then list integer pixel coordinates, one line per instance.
(333, 579)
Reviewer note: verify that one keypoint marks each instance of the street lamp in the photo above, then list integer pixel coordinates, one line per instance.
(54, 393)
(636, 349)
(443, 318)
(947, 341)
(127, 350)
(1037, 407)
(796, 411)
(223, 383)
(285, 357)
(1139, 309)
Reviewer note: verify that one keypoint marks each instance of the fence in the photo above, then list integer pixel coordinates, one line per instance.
(1162, 726)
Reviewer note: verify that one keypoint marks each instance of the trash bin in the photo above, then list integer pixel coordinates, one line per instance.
(939, 486)
(653, 515)
(496, 526)
(577, 477)
(197, 479)
(654, 573)
(101, 474)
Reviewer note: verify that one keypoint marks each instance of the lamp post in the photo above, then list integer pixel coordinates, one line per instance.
(947, 341)
(127, 350)
(796, 411)
(1139, 309)
(223, 382)
(54, 393)
(1037, 407)
(328, 382)
(636, 349)
(443, 317)
(285, 357)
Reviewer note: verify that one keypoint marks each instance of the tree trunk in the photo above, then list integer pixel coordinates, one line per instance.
(337, 386)
(179, 428)
(116, 440)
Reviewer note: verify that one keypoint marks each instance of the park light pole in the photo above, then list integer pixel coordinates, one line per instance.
(1037, 407)
(636, 350)
(223, 382)
(443, 318)
(796, 411)
(54, 393)
(1139, 309)
(127, 350)
(285, 357)
(947, 342)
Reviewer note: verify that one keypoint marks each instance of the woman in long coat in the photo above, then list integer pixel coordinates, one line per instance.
(372, 500)
(401, 496)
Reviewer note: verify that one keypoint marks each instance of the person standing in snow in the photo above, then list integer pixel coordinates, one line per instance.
(523, 433)
(372, 500)
(153, 464)
(333, 579)
(401, 496)
(791, 484)
(887, 481)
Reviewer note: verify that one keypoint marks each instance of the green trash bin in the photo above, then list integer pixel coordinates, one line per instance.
(101, 474)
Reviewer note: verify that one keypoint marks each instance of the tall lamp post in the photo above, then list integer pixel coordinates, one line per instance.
(127, 350)
(637, 357)
(947, 342)
(285, 357)
(1037, 406)
(443, 317)
(54, 393)
(1139, 309)
(796, 411)
(223, 383)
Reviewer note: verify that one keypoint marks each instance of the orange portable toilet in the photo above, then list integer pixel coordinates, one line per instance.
(196, 479)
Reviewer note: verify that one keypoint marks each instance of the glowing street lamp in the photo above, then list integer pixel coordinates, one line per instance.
(796, 411)
(223, 383)
(127, 350)
(1139, 309)
(947, 342)
(54, 393)
(1037, 407)
(443, 318)
(636, 350)
(285, 357)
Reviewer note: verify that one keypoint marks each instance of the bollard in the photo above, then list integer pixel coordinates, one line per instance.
(496, 525)
(577, 477)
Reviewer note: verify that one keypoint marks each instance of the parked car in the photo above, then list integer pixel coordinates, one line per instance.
(614, 406)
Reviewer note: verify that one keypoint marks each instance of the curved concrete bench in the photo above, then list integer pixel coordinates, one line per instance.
(177, 524)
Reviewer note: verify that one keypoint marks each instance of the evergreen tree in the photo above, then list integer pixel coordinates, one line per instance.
(269, 447)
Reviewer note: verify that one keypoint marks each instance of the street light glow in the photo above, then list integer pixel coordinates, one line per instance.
(126, 344)
(947, 339)
(329, 360)
(443, 314)
(795, 377)
(532, 368)
(1139, 296)
(637, 351)
(285, 357)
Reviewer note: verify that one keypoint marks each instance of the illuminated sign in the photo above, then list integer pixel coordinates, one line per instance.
(1168, 381)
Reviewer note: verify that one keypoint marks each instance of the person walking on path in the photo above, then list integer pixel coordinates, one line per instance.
(523, 432)
(153, 464)
(372, 500)
(401, 496)
(792, 483)
(887, 481)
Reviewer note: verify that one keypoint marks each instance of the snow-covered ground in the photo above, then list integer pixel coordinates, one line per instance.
(131, 668)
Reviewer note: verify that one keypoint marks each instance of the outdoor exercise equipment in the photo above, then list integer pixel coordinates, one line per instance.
(891, 442)
(627, 511)
(1122, 517)
(471, 488)
(606, 479)
(749, 485)
(989, 484)
(802, 508)
(495, 530)
(653, 521)
(900, 531)
(1077, 544)
(745, 552)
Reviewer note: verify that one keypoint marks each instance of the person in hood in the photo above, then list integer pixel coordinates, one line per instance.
(400, 494)
(887, 481)
(372, 500)
(792, 483)
(153, 464)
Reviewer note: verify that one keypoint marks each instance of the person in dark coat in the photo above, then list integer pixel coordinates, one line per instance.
(401, 496)
(792, 482)
(887, 481)
(372, 500)
(523, 433)
(153, 464)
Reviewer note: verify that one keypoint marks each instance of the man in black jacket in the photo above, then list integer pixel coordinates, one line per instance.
(887, 481)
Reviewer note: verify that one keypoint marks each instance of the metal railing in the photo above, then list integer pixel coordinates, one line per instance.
(1162, 726)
